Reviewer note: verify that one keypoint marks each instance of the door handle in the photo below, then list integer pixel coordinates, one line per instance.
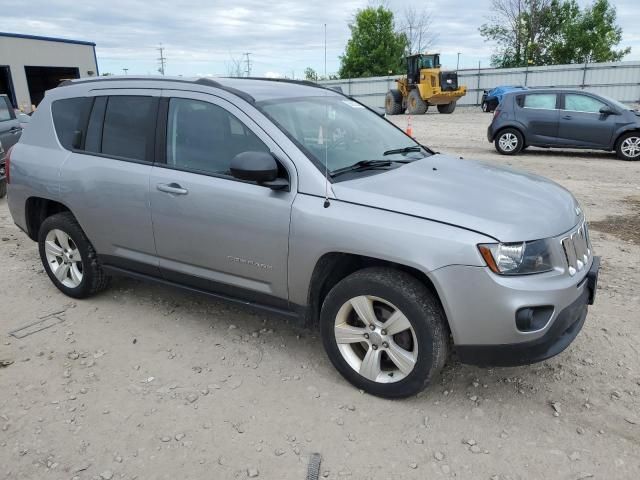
(15, 130)
(172, 188)
(567, 117)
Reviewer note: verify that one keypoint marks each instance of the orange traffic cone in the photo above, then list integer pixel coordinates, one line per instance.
(409, 129)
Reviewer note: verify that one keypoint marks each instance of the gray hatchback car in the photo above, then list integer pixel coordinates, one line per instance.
(298, 200)
(554, 118)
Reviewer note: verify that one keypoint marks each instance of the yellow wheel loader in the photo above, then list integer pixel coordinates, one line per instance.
(424, 85)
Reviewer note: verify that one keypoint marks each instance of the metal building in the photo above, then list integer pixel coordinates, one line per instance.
(30, 65)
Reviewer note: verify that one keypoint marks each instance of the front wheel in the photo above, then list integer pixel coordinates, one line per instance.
(628, 147)
(509, 142)
(69, 258)
(448, 108)
(385, 332)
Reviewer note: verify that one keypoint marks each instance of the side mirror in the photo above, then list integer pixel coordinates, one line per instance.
(607, 110)
(259, 167)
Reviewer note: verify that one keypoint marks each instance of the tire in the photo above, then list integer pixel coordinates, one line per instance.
(509, 141)
(628, 147)
(423, 343)
(485, 107)
(415, 104)
(393, 102)
(86, 269)
(3, 188)
(448, 108)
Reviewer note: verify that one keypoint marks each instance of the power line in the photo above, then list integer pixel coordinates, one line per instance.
(162, 60)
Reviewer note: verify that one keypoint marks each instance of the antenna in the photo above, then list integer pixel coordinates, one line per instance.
(162, 60)
(326, 152)
(248, 63)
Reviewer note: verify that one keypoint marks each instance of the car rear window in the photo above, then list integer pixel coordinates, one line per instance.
(69, 115)
(127, 131)
(545, 101)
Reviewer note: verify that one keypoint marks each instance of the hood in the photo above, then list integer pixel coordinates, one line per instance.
(505, 204)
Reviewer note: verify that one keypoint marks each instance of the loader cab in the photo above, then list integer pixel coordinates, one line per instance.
(415, 63)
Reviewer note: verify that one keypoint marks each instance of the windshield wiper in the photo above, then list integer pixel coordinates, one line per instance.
(413, 148)
(362, 165)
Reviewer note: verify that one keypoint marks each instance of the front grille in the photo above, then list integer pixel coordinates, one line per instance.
(448, 81)
(577, 249)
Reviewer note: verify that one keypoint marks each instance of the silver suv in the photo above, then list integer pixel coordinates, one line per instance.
(298, 200)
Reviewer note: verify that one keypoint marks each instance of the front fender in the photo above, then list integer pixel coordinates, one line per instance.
(343, 227)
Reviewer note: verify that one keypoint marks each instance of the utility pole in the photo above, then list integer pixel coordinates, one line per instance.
(125, 70)
(162, 60)
(458, 63)
(248, 63)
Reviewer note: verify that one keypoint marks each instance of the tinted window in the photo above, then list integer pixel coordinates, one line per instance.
(128, 127)
(5, 113)
(582, 103)
(69, 116)
(204, 137)
(540, 100)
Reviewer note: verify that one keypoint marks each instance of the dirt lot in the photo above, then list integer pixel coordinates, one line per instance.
(149, 382)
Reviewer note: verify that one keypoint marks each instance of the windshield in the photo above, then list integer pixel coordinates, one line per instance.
(343, 130)
(616, 103)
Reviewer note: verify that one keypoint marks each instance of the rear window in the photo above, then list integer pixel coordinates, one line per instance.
(128, 127)
(5, 112)
(69, 117)
(545, 101)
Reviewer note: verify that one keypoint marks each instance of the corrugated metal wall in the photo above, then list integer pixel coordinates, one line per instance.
(620, 80)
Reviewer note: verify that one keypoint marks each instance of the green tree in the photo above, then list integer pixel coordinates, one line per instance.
(375, 48)
(591, 37)
(548, 32)
(310, 74)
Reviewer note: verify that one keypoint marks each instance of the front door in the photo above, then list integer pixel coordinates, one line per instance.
(582, 124)
(9, 127)
(212, 231)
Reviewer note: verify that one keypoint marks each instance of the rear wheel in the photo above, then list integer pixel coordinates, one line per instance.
(385, 332)
(485, 107)
(69, 258)
(628, 147)
(448, 108)
(415, 104)
(393, 102)
(509, 141)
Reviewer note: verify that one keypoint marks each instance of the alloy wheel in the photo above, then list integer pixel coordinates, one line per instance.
(508, 142)
(63, 258)
(376, 339)
(631, 147)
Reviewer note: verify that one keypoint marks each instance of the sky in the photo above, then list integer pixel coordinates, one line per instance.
(209, 37)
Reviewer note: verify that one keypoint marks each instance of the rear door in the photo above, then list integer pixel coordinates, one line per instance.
(105, 179)
(539, 114)
(582, 124)
(9, 126)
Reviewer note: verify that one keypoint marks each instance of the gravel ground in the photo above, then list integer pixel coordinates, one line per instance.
(149, 382)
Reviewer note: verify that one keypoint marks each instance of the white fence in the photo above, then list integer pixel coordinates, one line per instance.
(619, 80)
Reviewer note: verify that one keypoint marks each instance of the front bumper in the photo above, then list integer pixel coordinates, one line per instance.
(558, 337)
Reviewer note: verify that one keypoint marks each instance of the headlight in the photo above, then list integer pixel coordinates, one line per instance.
(517, 258)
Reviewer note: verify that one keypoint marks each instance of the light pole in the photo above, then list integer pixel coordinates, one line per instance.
(125, 70)
(458, 63)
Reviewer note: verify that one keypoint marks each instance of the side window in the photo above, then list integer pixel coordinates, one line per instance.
(205, 137)
(582, 103)
(5, 113)
(545, 101)
(69, 115)
(129, 123)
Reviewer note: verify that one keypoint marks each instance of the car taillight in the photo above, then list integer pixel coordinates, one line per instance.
(7, 164)
(496, 113)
